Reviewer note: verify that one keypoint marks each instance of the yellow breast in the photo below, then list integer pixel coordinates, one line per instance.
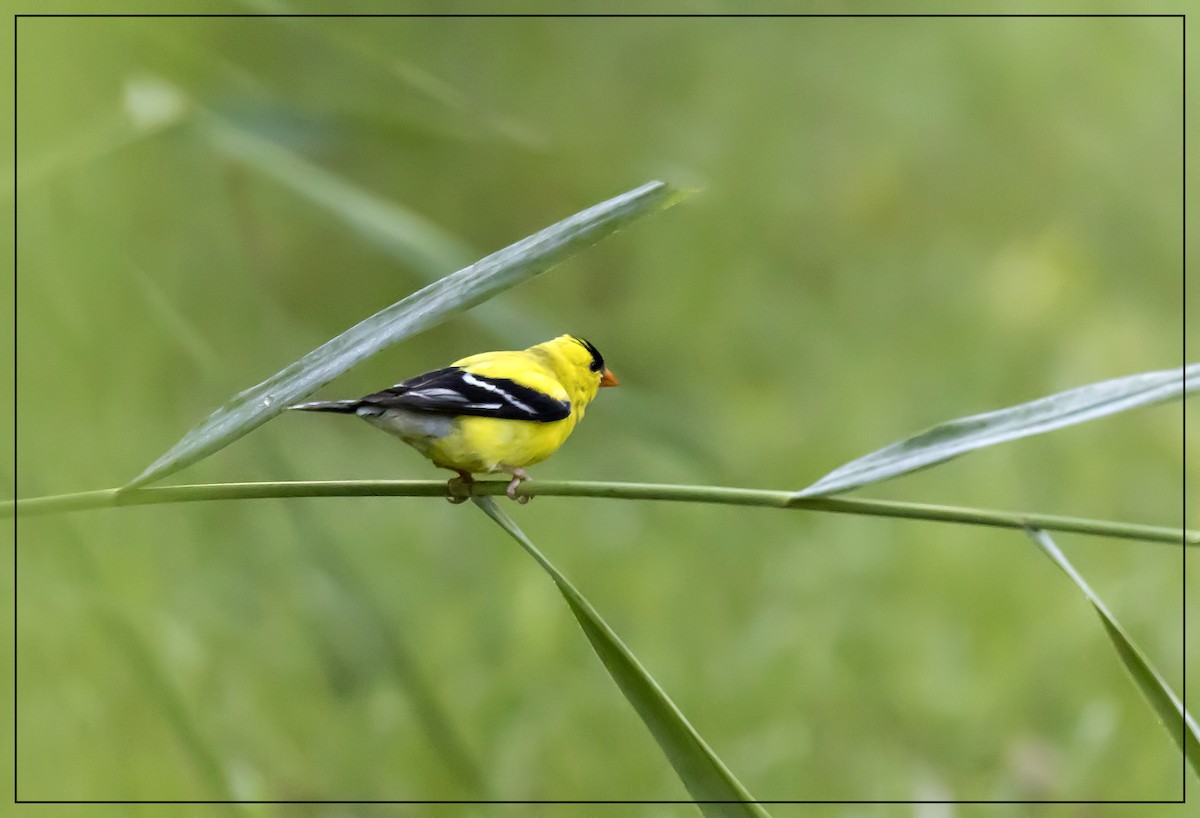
(485, 444)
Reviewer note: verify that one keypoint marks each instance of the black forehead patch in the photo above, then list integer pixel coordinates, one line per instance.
(597, 364)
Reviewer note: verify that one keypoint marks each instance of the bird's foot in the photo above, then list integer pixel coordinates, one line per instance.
(460, 487)
(518, 477)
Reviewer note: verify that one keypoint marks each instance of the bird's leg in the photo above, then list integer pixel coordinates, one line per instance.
(460, 487)
(518, 476)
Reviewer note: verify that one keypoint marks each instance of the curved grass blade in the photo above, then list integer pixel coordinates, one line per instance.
(423, 309)
(715, 789)
(398, 231)
(1177, 720)
(959, 436)
(404, 234)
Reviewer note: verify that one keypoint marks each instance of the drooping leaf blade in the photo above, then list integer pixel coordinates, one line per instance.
(949, 440)
(400, 232)
(423, 309)
(1170, 710)
(717, 791)
(404, 234)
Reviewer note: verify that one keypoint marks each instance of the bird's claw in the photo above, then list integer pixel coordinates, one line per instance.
(519, 477)
(459, 488)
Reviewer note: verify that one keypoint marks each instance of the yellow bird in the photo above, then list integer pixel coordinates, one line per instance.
(496, 411)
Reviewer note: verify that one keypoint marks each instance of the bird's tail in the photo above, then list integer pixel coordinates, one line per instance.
(344, 406)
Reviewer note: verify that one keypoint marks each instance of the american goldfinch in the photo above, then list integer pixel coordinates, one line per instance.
(496, 411)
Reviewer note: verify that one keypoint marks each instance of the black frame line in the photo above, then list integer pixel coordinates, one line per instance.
(594, 16)
(1183, 415)
(16, 201)
(1180, 16)
(764, 801)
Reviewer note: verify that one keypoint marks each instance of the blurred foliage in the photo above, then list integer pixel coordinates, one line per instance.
(902, 221)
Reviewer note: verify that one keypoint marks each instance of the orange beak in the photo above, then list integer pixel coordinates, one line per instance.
(609, 379)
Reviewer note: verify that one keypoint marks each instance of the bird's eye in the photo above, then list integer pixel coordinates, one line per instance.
(597, 363)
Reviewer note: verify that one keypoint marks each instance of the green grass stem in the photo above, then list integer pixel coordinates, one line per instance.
(723, 495)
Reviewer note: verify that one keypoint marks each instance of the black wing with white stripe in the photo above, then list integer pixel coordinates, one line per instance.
(454, 391)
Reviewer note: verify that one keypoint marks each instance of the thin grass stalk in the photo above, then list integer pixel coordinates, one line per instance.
(722, 495)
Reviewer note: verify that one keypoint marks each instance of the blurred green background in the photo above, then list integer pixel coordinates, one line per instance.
(901, 221)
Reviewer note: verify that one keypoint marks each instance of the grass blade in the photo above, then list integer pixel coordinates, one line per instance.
(959, 436)
(423, 309)
(706, 777)
(400, 232)
(1178, 722)
(405, 235)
